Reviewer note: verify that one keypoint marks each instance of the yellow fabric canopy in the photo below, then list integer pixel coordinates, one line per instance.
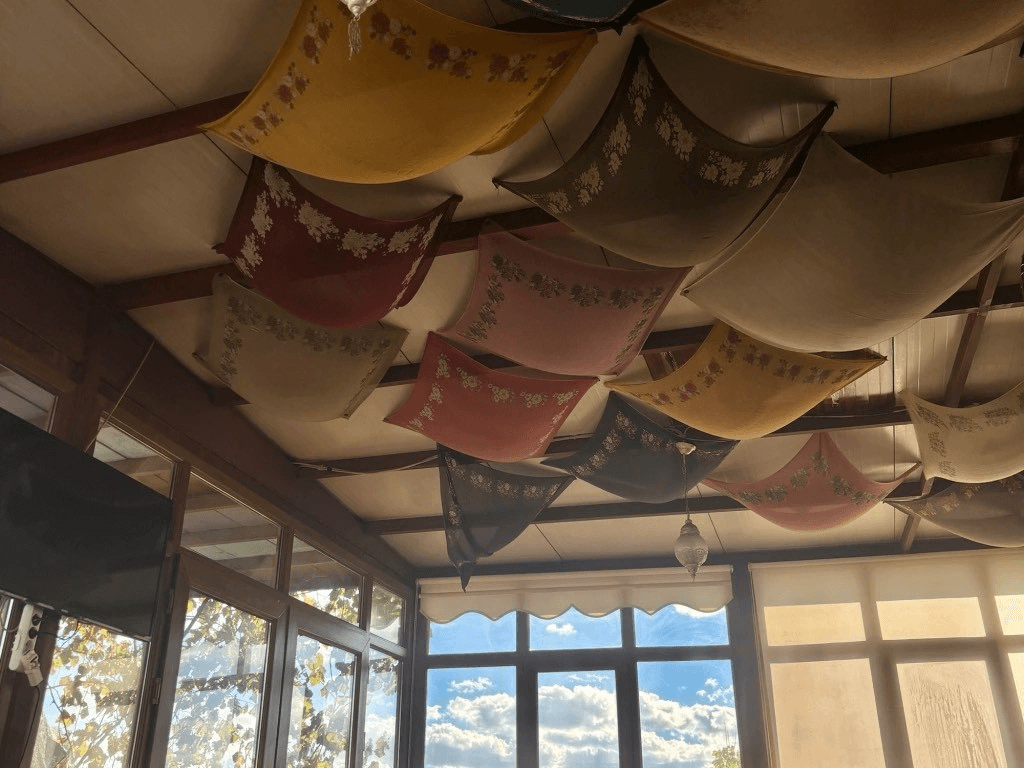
(425, 90)
(856, 39)
(740, 388)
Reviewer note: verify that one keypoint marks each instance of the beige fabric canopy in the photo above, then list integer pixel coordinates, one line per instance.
(849, 257)
(289, 367)
(970, 445)
(738, 388)
(856, 39)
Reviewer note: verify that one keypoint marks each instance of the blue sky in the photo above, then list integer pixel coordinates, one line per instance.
(687, 708)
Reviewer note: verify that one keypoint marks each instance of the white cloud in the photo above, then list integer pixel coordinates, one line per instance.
(683, 610)
(715, 693)
(471, 686)
(563, 630)
(491, 711)
(434, 712)
(449, 746)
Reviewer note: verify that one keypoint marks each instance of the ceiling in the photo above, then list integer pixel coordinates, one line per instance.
(72, 67)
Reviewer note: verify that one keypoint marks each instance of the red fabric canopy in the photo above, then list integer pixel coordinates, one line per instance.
(818, 489)
(491, 415)
(322, 263)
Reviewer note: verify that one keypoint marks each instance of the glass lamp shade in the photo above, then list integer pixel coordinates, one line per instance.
(691, 548)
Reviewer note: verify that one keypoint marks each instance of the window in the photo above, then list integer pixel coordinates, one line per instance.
(911, 660)
(321, 581)
(134, 458)
(620, 690)
(21, 397)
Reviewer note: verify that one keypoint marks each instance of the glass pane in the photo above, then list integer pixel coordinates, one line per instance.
(321, 716)
(688, 714)
(21, 397)
(91, 696)
(825, 715)
(1017, 665)
(802, 624)
(137, 460)
(381, 711)
(471, 717)
(216, 716)
(578, 720)
(679, 625)
(1011, 613)
(321, 581)
(575, 630)
(473, 633)
(951, 717)
(924, 619)
(386, 611)
(220, 528)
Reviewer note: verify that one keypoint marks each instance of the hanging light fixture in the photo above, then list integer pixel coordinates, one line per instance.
(691, 548)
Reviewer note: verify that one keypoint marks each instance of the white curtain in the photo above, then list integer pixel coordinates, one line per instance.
(594, 593)
(849, 257)
(863, 656)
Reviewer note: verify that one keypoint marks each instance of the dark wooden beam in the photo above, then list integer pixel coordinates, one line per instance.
(148, 465)
(107, 142)
(234, 535)
(582, 513)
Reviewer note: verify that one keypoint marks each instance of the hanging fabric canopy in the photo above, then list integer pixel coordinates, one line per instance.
(289, 367)
(970, 445)
(988, 513)
(657, 185)
(635, 458)
(426, 90)
(739, 388)
(817, 490)
(491, 415)
(849, 257)
(592, 593)
(485, 509)
(585, 13)
(560, 315)
(846, 39)
(322, 263)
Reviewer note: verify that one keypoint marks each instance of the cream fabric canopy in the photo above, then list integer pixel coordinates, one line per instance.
(840, 38)
(849, 258)
(594, 593)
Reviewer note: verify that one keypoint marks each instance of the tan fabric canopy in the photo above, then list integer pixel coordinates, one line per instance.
(970, 445)
(739, 388)
(593, 593)
(849, 257)
(292, 368)
(842, 38)
(426, 90)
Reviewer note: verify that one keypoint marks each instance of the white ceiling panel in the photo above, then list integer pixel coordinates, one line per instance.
(745, 531)
(639, 537)
(427, 549)
(410, 493)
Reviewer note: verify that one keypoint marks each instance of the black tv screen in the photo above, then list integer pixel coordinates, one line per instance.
(76, 535)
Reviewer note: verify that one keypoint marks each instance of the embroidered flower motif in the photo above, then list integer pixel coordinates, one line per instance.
(616, 145)
(500, 394)
(261, 220)
(292, 84)
(265, 119)
(841, 486)
(651, 441)
(442, 367)
(776, 493)
(317, 33)
(751, 497)
(585, 295)
(427, 412)
(966, 423)
(800, 478)
(317, 224)
(553, 202)
(947, 468)
(450, 58)
(468, 381)
(406, 282)
(361, 243)
(506, 268)
(863, 497)
(996, 417)
(672, 131)
(588, 184)
(280, 190)
(564, 397)
(554, 64)
(428, 233)
(623, 299)
(242, 135)
(392, 33)
(722, 169)
(250, 255)
(766, 170)
(547, 287)
(533, 399)
(820, 463)
(400, 241)
(640, 90)
(936, 443)
(435, 394)
(509, 69)
(931, 417)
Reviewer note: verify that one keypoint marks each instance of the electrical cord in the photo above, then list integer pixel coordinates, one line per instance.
(124, 392)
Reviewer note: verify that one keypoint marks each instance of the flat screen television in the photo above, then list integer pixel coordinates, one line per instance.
(76, 535)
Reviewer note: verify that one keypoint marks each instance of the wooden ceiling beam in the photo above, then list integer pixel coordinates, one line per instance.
(581, 513)
(117, 140)
(316, 470)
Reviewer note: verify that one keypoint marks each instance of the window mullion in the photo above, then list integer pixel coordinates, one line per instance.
(527, 704)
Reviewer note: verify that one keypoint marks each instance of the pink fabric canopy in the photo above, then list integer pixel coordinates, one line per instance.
(491, 415)
(560, 315)
(817, 490)
(322, 263)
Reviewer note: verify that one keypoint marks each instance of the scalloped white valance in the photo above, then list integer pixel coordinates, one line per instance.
(594, 593)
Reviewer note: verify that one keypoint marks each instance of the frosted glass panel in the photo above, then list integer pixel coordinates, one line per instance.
(825, 715)
(926, 619)
(951, 717)
(803, 624)
(1011, 613)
